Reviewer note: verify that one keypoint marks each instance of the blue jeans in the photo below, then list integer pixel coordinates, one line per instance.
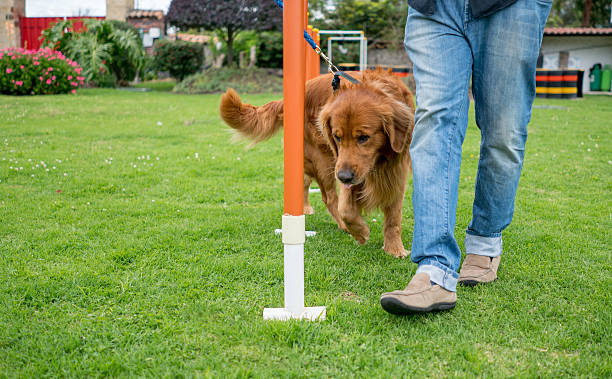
(499, 54)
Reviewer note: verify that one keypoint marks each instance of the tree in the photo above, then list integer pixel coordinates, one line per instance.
(586, 13)
(228, 16)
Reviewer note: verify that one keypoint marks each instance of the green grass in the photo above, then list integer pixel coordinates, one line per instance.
(161, 262)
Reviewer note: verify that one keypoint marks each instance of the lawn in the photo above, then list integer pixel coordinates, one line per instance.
(136, 240)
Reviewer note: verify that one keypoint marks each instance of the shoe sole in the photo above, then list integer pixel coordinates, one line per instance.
(396, 307)
(472, 282)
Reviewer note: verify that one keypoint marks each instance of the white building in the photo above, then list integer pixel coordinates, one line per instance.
(577, 48)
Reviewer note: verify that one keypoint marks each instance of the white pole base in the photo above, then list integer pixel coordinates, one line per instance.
(282, 314)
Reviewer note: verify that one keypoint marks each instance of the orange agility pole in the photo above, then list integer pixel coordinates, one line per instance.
(293, 220)
(293, 91)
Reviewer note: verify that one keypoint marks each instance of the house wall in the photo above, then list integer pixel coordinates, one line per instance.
(10, 13)
(118, 9)
(584, 52)
(146, 24)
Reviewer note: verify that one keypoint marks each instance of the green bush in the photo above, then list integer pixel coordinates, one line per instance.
(110, 52)
(37, 72)
(179, 58)
(216, 80)
(270, 50)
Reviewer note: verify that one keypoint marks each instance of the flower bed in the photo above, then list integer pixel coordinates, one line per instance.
(37, 72)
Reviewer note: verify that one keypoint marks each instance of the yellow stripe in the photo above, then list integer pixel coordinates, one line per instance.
(556, 90)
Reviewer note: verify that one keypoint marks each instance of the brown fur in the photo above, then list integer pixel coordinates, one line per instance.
(381, 108)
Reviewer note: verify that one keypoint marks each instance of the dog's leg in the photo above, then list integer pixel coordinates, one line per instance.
(350, 211)
(308, 209)
(392, 229)
(330, 198)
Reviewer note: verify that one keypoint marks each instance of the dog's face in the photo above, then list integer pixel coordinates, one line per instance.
(362, 125)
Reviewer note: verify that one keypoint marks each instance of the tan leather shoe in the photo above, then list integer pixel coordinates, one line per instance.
(419, 296)
(478, 269)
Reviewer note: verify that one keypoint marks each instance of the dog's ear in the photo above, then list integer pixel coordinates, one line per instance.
(326, 130)
(398, 126)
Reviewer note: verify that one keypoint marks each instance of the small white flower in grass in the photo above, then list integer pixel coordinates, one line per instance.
(148, 157)
(159, 123)
(10, 167)
(32, 175)
(123, 189)
(153, 200)
(589, 149)
(197, 156)
(156, 158)
(21, 168)
(373, 220)
(238, 158)
(596, 145)
(47, 169)
(134, 166)
(41, 142)
(581, 143)
(54, 167)
(88, 203)
(138, 158)
(103, 209)
(30, 160)
(178, 211)
(65, 174)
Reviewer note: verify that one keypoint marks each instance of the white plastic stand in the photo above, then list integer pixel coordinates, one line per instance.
(293, 240)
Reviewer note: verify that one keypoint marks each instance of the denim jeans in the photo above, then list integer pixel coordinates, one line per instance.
(499, 54)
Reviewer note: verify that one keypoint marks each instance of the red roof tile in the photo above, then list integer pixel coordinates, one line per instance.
(577, 31)
(140, 13)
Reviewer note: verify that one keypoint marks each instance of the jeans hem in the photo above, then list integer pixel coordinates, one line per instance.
(481, 245)
(440, 275)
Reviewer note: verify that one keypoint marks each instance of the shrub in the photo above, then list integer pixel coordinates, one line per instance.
(179, 58)
(248, 80)
(110, 52)
(270, 50)
(37, 72)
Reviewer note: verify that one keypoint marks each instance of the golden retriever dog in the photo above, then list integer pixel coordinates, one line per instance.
(358, 134)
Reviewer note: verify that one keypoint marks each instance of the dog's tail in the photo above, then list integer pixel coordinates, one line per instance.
(255, 123)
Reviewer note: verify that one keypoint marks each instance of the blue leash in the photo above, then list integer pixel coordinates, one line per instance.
(333, 69)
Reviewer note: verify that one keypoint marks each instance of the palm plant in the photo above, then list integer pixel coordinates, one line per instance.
(110, 52)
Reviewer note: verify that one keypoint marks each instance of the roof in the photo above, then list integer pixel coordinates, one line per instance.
(140, 13)
(192, 38)
(578, 31)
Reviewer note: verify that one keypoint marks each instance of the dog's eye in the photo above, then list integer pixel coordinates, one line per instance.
(337, 138)
(362, 139)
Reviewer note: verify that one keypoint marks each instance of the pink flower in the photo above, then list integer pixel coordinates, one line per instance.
(21, 67)
(13, 57)
(41, 78)
(74, 64)
(9, 70)
(74, 84)
(73, 91)
(53, 77)
(48, 81)
(50, 69)
(19, 83)
(36, 63)
(69, 77)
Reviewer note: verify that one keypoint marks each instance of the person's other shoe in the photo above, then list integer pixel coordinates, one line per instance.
(477, 269)
(419, 296)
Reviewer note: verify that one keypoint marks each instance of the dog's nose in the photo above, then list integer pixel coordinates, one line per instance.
(346, 176)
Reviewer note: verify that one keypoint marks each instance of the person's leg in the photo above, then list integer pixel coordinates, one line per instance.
(442, 66)
(506, 47)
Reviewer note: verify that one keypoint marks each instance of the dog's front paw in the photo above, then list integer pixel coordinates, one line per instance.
(362, 236)
(396, 251)
(308, 209)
